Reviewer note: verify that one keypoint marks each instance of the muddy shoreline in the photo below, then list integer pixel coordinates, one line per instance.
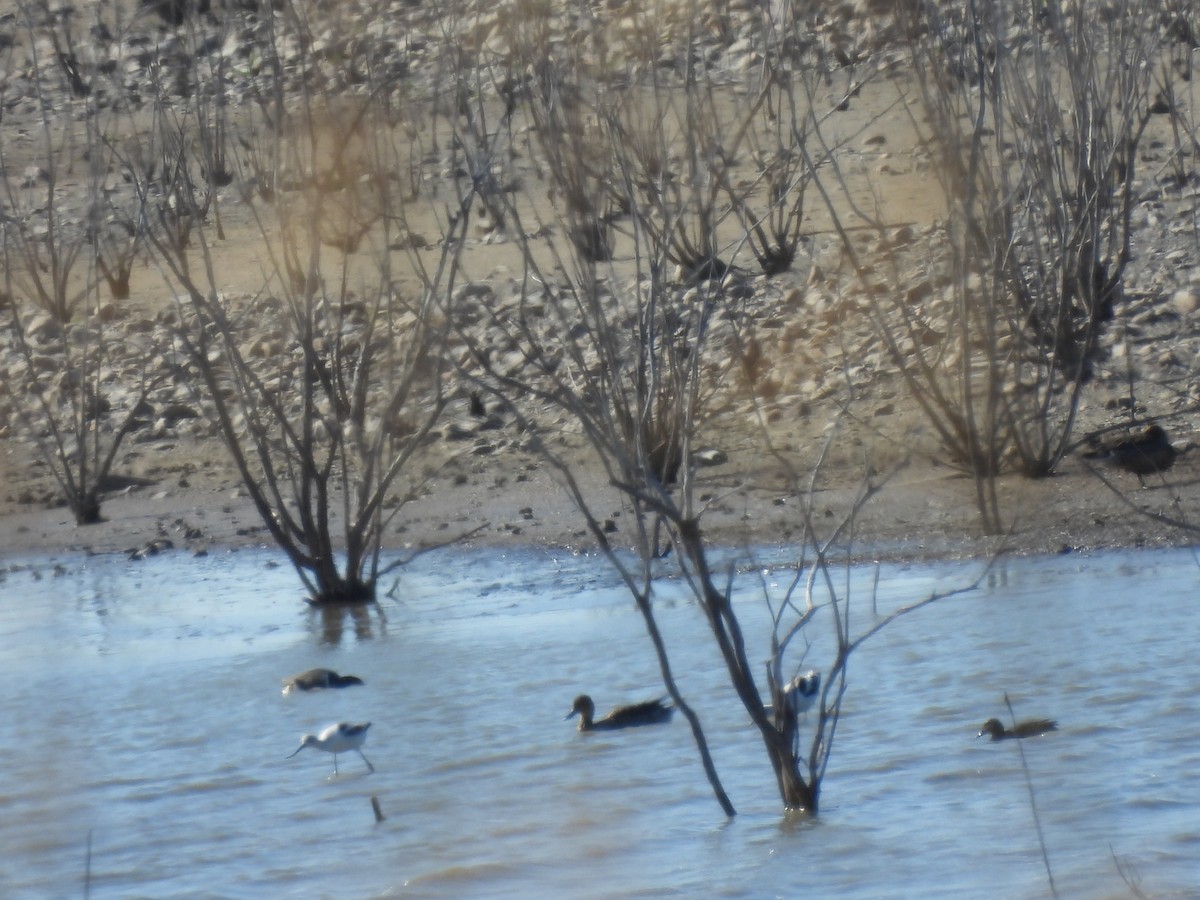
(922, 513)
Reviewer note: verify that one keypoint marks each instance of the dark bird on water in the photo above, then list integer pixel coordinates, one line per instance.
(1030, 728)
(316, 679)
(1145, 454)
(651, 712)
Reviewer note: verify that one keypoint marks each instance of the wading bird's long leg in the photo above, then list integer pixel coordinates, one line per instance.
(367, 761)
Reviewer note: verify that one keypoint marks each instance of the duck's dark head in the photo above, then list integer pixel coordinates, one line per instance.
(584, 708)
(992, 727)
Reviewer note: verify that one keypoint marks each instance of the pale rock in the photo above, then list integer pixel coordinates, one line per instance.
(1186, 300)
(43, 327)
(33, 175)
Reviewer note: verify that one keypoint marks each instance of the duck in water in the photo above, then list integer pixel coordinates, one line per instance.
(1030, 728)
(316, 679)
(651, 712)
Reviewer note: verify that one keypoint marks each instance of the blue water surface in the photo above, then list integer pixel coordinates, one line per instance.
(144, 716)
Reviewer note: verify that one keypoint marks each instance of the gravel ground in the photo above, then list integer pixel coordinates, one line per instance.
(173, 479)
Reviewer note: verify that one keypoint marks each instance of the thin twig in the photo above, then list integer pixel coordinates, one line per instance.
(1037, 822)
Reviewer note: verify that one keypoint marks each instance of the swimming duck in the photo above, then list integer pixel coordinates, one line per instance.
(651, 712)
(1149, 452)
(336, 739)
(316, 679)
(1030, 728)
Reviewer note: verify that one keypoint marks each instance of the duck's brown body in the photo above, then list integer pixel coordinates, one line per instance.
(317, 679)
(651, 712)
(1030, 728)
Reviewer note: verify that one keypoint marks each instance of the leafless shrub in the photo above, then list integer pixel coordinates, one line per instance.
(45, 250)
(328, 382)
(706, 170)
(634, 368)
(64, 406)
(642, 362)
(77, 392)
(1035, 128)
(816, 581)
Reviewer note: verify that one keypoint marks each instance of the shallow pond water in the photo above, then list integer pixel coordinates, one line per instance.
(143, 709)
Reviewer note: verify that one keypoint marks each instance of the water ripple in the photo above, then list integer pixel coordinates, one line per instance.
(151, 717)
